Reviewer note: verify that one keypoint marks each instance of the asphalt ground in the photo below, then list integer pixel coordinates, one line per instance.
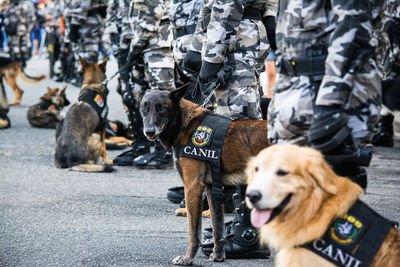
(57, 217)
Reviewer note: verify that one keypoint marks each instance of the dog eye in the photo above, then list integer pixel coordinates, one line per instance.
(281, 173)
(256, 169)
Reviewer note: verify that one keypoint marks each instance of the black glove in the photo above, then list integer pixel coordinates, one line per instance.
(134, 55)
(192, 62)
(270, 25)
(114, 38)
(73, 33)
(209, 71)
(394, 31)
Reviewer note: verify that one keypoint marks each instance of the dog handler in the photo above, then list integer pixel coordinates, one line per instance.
(230, 46)
(328, 88)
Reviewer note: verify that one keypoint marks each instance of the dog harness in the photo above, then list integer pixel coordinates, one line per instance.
(96, 100)
(353, 239)
(206, 144)
(45, 105)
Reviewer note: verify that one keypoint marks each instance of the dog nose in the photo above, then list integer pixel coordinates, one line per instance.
(254, 196)
(150, 133)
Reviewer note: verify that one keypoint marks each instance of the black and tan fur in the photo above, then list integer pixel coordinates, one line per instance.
(48, 118)
(81, 135)
(10, 71)
(172, 119)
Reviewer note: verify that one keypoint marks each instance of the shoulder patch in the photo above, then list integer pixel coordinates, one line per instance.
(99, 100)
(346, 229)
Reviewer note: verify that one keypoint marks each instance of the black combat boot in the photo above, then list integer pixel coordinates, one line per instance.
(159, 159)
(384, 136)
(242, 241)
(140, 147)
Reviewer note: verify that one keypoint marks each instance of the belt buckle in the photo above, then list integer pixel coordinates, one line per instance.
(292, 64)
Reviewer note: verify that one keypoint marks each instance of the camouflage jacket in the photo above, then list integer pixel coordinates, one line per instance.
(78, 11)
(340, 29)
(183, 15)
(150, 24)
(220, 34)
(117, 21)
(21, 16)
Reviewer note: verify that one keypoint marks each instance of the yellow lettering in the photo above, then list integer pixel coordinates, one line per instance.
(358, 224)
(351, 219)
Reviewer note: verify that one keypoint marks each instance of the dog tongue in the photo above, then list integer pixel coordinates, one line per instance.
(260, 217)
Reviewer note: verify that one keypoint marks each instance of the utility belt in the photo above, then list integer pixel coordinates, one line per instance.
(252, 13)
(308, 66)
(185, 30)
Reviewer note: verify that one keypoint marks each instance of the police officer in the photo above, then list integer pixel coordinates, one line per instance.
(231, 45)
(388, 59)
(85, 27)
(153, 68)
(328, 89)
(19, 20)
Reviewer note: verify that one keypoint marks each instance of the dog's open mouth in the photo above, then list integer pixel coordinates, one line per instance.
(260, 217)
(151, 137)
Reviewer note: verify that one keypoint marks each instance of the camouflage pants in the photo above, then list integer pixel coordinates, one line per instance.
(291, 109)
(20, 46)
(90, 40)
(240, 97)
(156, 72)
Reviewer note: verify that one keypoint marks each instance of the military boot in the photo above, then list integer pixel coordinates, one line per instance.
(384, 136)
(140, 147)
(159, 159)
(242, 240)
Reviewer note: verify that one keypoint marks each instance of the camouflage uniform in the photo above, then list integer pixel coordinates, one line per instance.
(88, 16)
(240, 43)
(19, 20)
(152, 38)
(339, 31)
(183, 16)
(391, 63)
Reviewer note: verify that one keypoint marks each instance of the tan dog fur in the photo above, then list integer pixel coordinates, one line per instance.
(319, 196)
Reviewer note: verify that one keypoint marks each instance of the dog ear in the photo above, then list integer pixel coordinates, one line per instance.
(103, 64)
(178, 93)
(320, 171)
(83, 63)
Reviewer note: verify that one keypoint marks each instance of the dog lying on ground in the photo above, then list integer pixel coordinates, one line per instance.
(46, 113)
(296, 197)
(172, 119)
(11, 70)
(81, 135)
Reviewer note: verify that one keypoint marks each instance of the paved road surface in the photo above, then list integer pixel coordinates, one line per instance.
(56, 217)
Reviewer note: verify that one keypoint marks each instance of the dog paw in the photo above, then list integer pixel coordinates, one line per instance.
(108, 162)
(182, 260)
(216, 258)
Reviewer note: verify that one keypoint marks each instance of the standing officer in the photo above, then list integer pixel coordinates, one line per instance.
(85, 27)
(153, 68)
(232, 39)
(328, 88)
(19, 20)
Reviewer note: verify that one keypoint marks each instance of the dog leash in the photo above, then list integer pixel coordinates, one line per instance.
(205, 100)
(106, 81)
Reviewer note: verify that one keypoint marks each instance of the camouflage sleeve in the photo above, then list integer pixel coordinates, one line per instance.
(349, 47)
(200, 32)
(78, 11)
(145, 17)
(270, 8)
(221, 31)
(111, 26)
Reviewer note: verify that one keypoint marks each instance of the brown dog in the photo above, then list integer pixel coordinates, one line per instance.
(81, 135)
(172, 119)
(46, 113)
(296, 197)
(11, 71)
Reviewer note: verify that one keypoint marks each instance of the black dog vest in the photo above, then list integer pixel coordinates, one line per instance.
(206, 144)
(354, 239)
(96, 100)
(45, 105)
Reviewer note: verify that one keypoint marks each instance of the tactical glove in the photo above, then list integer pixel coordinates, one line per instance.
(270, 25)
(74, 33)
(192, 62)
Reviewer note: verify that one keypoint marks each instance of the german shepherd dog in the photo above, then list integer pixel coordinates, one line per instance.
(11, 70)
(80, 137)
(172, 119)
(46, 113)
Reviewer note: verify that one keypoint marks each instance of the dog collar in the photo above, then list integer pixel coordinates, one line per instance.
(353, 239)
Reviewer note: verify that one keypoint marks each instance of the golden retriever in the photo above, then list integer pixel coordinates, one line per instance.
(294, 196)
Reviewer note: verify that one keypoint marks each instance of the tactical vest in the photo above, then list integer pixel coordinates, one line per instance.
(206, 144)
(96, 100)
(45, 105)
(353, 239)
